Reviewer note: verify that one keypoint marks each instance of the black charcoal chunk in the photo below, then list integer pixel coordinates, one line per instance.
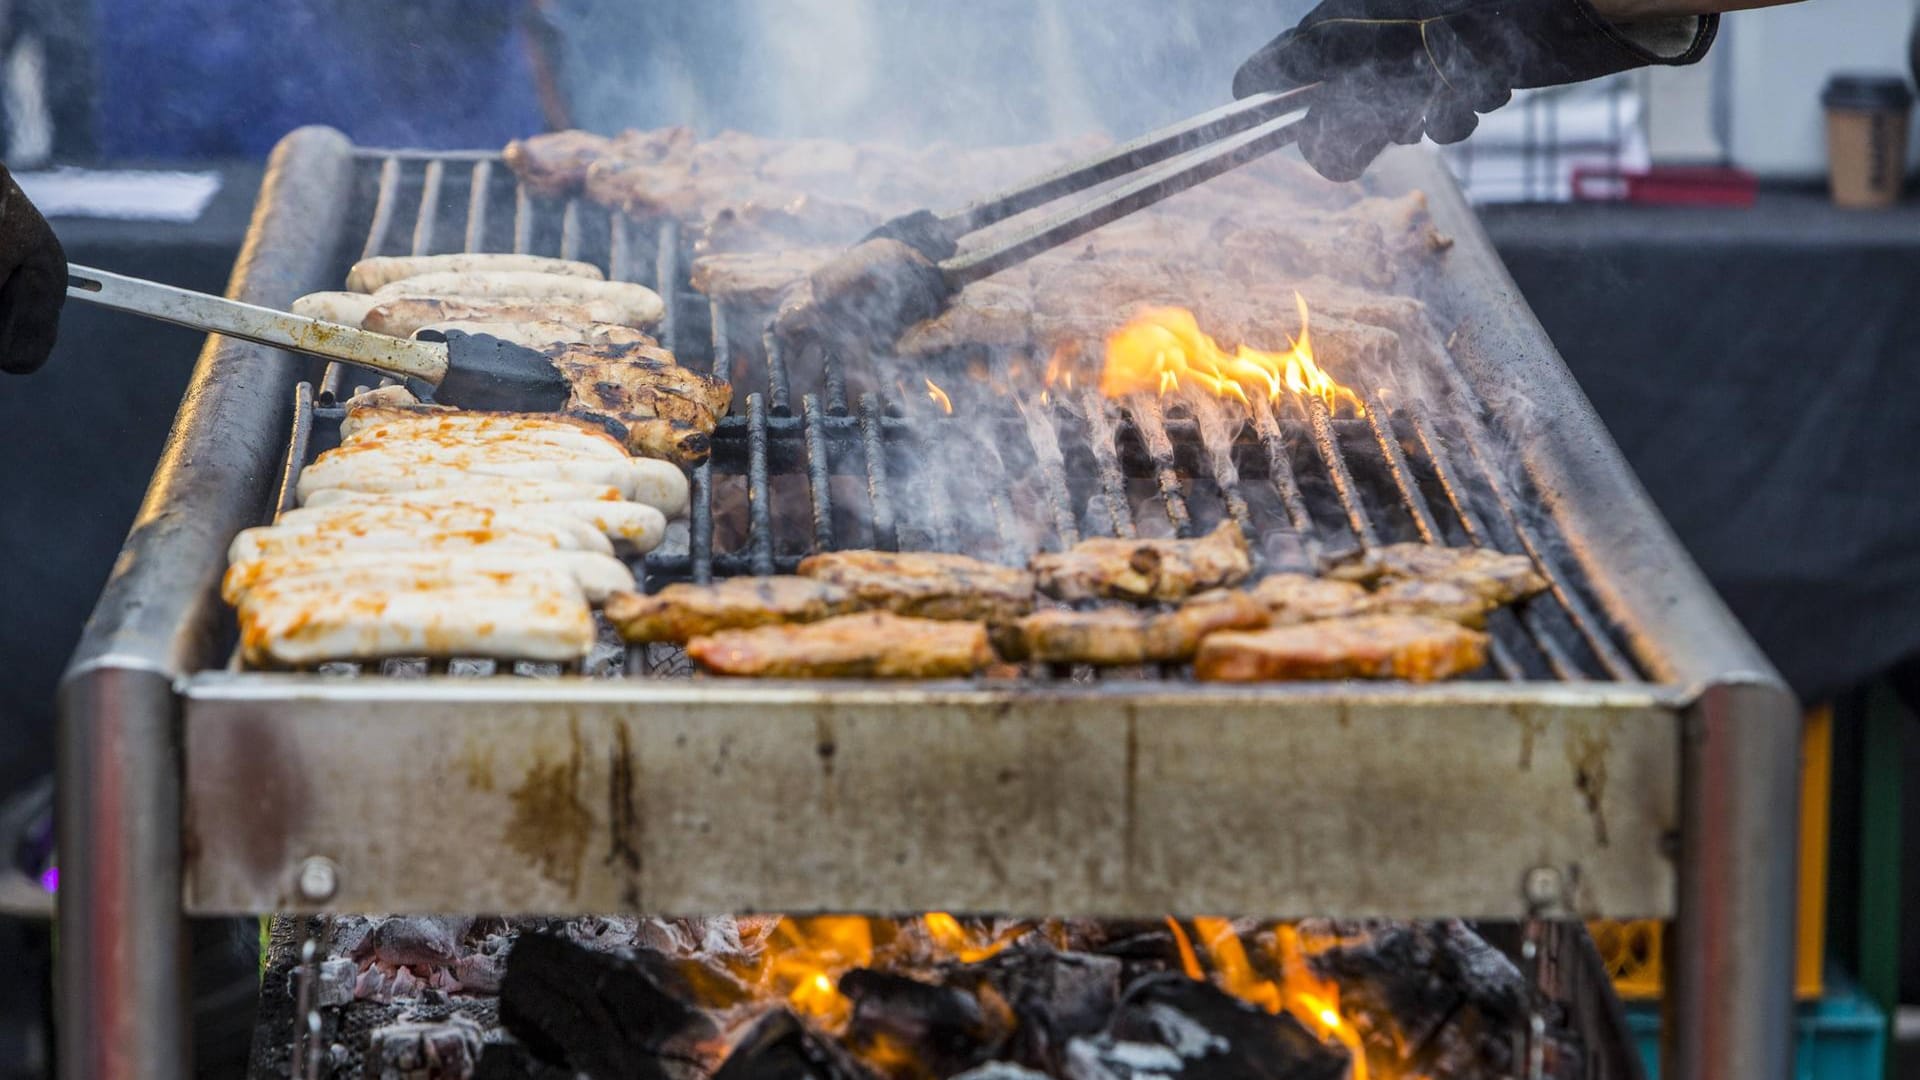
(944, 1025)
(415, 939)
(1220, 1036)
(601, 1014)
(1001, 1070)
(1055, 997)
(779, 1047)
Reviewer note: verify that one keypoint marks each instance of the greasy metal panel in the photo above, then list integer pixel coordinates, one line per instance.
(570, 795)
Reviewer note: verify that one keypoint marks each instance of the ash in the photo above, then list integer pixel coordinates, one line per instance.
(918, 998)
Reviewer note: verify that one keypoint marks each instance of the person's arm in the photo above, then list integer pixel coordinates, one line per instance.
(1396, 70)
(33, 281)
(1636, 10)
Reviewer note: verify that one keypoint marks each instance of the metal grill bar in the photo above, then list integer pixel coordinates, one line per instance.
(1045, 440)
(383, 208)
(1151, 424)
(1102, 436)
(522, 220)
(1280, 475)
(1215, 427)
(1328, 442)
(874, 456)
(570, 237)
(479, 198)
(819, 474)
(759, 497)
(429, 212)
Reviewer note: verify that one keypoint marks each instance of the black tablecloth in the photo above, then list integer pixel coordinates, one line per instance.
(1758, 368)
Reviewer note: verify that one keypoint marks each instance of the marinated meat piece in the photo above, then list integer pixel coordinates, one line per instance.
(656, 145)
(926, 584)
(982, 314)
(664, 409)
(1298, 598)
(679, 612)
(556, 163)
(1436, 599)
(643, 190)
(872, 644)
(1146, 569)
(1411, 647)
(756, 277)
(1112, 636)
(805, 222)
(1498, 577)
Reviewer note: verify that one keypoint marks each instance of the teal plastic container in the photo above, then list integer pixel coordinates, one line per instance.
(1842, 1036)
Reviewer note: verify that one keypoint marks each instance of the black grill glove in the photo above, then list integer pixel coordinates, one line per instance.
(1398, 69)
(33, 281)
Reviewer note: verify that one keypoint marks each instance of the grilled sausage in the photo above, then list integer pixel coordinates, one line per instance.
(630, 304)
(545, 333)
(368, 275)
(405, 316)
(539, 616)
(633, 524)
(345, 308)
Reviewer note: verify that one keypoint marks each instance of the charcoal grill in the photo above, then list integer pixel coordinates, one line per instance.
(1632, 755)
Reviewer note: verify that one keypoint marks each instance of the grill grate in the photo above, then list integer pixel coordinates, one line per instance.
(878, 467)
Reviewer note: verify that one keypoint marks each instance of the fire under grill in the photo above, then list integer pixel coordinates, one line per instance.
(1627, 753)
(1012, 471)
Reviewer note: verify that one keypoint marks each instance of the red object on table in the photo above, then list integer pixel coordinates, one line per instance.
(1667, 185)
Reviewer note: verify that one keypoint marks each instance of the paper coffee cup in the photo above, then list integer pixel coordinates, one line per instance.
(1867, 138)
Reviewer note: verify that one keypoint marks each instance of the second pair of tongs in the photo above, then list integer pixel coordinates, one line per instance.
(907, 269)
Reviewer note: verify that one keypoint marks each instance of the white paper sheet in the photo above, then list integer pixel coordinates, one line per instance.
(121, 194)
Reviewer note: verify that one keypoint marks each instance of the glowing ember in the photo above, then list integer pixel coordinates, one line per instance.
(939, 397)
(1310, 998)
(1163, 350)
(949, 935)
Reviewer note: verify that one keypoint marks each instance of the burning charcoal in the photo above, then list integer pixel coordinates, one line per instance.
(945, 1025)
(779, 1047)
(1105, 1058)
(349, 933)
(1054, 996)
(1211, 1033)
(597, 1013)
(415, 939)
(1457, 1001)
(444, 1050)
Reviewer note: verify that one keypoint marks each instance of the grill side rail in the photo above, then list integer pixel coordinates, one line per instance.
(1492, 800)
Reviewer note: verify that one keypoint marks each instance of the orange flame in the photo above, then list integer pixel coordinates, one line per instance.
(939, 397)
(1308, 997)
(948, 934)
(805, 959)
(1162, 350)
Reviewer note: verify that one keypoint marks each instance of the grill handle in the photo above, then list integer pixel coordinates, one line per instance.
(401, 357)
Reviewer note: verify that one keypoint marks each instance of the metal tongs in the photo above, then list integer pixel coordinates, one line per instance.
(475, 371)
(907, 269)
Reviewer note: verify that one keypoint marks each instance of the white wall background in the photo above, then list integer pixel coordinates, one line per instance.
(1781, 58)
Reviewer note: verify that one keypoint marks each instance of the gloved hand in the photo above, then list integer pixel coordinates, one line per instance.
(1395, 70)
(33, 281)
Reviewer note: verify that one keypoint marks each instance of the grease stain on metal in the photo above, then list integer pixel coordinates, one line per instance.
(476, 760)
(1587, 753)
(1531, 728)
(550, 825)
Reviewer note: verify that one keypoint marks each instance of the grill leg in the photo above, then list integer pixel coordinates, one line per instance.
(1732, 964)
(122, 972)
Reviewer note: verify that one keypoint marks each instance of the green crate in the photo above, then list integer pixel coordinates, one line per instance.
(1841, 1036)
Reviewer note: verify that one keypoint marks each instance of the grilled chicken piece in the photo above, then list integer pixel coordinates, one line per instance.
(539, 615)
(1498, 577)
(680, 612)
(1411, 647)
(640, 382)
(1298, 598)
(755, 277)
(556, 163)
(926, 584)
(598, 576)
(874, 644)
(1146, 569)
(1437, 599)
(643, 189)
(1112, 636)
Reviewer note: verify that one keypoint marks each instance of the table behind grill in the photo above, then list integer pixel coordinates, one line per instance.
(873, 466)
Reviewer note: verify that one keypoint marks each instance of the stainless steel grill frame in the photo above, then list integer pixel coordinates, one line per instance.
(1663, 785)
